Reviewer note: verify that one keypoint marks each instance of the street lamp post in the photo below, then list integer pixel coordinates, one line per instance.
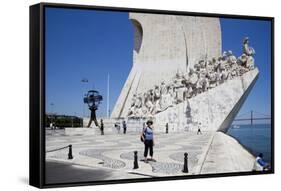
(107, 97)
(84, 80)
(51, 109)
(72, 121)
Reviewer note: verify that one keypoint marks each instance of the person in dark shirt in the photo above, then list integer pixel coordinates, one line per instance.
(101, 127)
(124, 126)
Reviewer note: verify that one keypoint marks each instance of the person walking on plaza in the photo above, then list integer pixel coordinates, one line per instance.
(54, 126)
(199, 129)
(101, 127)
(124, 127)
(117, 126)
(148, 138)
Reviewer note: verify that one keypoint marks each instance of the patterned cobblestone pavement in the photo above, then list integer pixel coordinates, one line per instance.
(116, 151)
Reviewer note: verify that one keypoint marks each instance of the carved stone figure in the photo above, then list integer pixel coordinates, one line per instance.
(134, 99)
(249, 51)
(165, 102)
(139, 101)
(157, 107)
(193, 78)
(231, 58)
(250, 63)
(163, 88)
(206, 74)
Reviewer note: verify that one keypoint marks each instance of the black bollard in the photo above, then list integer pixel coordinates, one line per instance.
(185, 165)
(136, 165)
(70, 152)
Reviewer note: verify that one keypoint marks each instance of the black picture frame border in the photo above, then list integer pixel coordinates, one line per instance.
(37, 94)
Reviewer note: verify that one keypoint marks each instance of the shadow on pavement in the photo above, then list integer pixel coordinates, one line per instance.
(58, 172)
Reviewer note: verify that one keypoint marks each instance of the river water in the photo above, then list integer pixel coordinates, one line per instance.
(256, 138)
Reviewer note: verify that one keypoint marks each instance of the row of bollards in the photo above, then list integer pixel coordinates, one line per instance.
(136, 165)
(185, 164)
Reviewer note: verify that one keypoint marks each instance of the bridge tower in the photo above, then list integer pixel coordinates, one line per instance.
(252, 114)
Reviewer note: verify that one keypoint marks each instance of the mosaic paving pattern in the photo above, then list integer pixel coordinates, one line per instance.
(130, 155)
(166, 168)
(116, 151)
(107, 162)
(192, 157)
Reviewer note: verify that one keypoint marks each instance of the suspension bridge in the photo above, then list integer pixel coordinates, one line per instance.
(252, 116)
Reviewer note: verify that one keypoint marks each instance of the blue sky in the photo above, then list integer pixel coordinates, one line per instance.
(92, 44)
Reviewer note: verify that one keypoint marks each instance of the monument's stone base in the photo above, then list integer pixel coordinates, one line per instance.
(226, 155)
(215, 109)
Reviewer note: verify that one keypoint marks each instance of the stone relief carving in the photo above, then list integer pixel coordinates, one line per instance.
(205, 75)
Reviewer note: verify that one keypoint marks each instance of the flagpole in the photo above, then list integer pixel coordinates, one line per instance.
(107, 108)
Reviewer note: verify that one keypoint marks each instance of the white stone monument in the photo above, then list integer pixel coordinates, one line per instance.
(179, 75)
